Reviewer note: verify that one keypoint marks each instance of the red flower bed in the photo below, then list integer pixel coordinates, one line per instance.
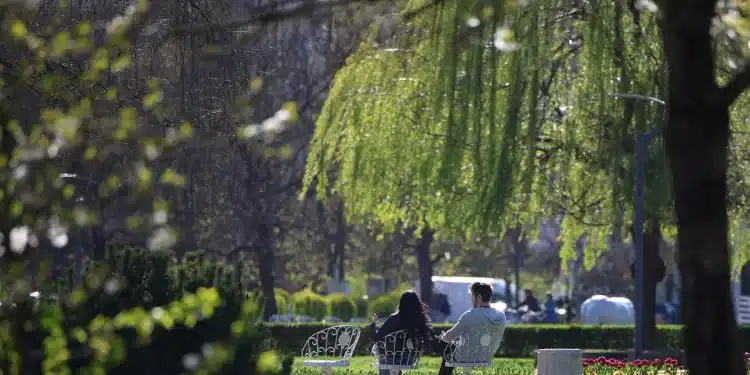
(612, 366)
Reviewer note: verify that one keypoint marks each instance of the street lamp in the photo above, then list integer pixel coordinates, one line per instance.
(641, 143)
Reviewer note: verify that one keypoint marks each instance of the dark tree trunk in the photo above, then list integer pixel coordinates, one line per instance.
(336, 254)
(651, 242)
(697, 136)
(424, 263)
(340, 239)
(264, 249)
(654, 271)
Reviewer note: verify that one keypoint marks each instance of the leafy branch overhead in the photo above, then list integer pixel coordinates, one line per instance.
(87, 119)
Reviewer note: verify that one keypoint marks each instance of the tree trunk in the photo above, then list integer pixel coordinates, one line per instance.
(697, 136)
(424, 263)
(264, 249)
(651, 244)
(340, 239)
(517, 244)
(654, 271)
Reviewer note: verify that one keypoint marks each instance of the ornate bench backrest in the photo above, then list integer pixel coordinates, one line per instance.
(400, 348)
(336, 342)
(475, 346)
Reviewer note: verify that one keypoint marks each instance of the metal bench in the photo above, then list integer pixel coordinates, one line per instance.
(475, 348)
(331, 347)
(743, 309)
(397, 351)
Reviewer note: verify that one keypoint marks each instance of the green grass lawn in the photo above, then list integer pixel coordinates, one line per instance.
(427, 365)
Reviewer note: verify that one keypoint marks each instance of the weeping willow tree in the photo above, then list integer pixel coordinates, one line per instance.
(438, 127)
(479, 117)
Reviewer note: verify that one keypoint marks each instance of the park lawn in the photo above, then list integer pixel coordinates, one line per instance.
(427, 365)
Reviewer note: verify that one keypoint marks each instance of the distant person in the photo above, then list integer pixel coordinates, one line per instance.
(440, 308)
(480, 315)
(550, 309)
(444, 306)
(530, 302)
(411, 315)
(568, 305)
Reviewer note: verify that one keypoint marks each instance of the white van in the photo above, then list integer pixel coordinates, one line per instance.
(456, 288)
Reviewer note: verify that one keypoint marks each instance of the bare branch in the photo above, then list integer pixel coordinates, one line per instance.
(267, 14)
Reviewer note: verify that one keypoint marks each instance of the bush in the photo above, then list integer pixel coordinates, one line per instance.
(194, 319)
(342, 307)
(282, 300)
(362, 309)
(282, 295)
(383, 305)
(307, 302)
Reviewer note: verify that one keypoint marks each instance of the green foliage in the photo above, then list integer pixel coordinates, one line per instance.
(433, 128)
(362, 307)
(139, 306)
(342, 307)
(282, 294)
(283, 299)
(383, 305)
(77, 113)
(307, 302)
(74, 102)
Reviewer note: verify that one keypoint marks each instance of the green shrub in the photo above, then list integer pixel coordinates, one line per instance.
(282, 300)
(342, 307)
(362, 309)
(282, 295)
(307, 302)
(383, 305)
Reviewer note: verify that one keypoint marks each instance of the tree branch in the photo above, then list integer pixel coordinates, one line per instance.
(737, 84)
(266, 14)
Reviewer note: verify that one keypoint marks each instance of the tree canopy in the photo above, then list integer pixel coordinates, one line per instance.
(478, 117)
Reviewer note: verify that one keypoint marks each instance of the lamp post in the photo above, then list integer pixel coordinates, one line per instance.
(641, 143)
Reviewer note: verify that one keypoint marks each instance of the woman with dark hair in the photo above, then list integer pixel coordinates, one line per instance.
(413, 317)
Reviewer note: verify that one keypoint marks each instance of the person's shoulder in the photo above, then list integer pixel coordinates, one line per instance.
(470, 311)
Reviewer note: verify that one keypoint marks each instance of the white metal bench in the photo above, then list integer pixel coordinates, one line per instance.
(397, 351)
(743, 309)
(475, 348)
(331, 347)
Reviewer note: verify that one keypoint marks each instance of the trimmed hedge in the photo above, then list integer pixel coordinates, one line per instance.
(383, 305)
(341, 306)
(519, 340)
(307, 302)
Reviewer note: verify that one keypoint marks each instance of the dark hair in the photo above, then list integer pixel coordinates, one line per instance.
(483, 290)
(413, 313)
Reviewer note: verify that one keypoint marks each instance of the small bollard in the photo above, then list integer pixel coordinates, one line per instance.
(559, 362)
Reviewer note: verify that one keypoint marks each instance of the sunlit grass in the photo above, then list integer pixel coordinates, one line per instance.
(427, 365)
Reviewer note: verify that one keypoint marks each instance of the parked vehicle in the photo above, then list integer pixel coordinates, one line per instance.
(455, 288)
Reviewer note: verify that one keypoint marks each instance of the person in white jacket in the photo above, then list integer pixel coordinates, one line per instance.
(480, 315)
